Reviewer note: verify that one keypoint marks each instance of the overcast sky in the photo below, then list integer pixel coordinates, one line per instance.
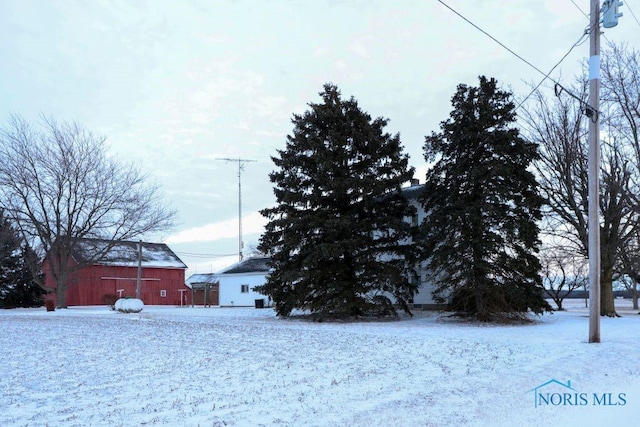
(174, 85)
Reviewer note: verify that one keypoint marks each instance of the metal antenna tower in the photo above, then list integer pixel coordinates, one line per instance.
(241, 163)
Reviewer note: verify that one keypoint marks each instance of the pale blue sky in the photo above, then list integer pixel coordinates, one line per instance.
(176, 84)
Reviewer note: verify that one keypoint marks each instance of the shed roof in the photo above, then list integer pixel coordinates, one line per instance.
(248, 265)
(206, 279)
(125, 254)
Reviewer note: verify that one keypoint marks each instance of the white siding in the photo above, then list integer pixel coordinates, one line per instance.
(231, 294)
(424, 294)
(425, 290)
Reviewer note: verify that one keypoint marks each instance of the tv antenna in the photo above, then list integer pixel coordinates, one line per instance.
(241, 163)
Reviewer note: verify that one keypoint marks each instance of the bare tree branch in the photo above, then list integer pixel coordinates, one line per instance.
(59, 186)
(560, 129)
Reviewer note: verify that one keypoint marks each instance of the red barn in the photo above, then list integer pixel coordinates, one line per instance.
(115, 274)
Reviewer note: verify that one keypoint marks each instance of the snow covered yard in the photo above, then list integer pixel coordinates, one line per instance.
(244, 367)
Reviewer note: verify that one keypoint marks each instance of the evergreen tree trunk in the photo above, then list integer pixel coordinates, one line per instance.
(482, 312)
(480, 287)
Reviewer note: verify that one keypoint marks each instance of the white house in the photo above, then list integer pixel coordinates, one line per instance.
(423, 299)
(235, 284)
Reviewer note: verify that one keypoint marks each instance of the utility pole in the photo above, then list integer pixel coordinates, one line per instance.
(139, 277)
(241, 163)
(593, 172)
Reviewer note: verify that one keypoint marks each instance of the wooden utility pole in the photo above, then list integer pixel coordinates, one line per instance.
(593, 172)
(241, 163)
(139, 277)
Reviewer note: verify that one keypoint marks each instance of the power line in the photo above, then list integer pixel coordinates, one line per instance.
(632, 14)
(203, 255)
(580, 9)
(588, 18)
(494, 39)
(576, 44)
(546, 76)
(627, 5)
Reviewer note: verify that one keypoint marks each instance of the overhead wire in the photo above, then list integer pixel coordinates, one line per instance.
(576, 44)
(580, 9)
(204, 255)
(491, 37)
(587, 16)
(546, 76)
(632, 14)
(626, 4)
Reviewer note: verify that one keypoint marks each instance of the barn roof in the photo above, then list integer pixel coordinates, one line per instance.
(125, 254)
(249, 265)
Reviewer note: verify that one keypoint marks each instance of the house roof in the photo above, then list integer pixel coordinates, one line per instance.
(413, 192)
(248, 265)
(125, 254)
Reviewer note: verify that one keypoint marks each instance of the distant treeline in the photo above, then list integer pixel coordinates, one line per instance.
(580, 294)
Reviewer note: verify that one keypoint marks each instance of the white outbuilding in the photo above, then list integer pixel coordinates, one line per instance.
(236, 284)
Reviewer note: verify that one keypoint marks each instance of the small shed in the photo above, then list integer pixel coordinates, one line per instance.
(235, 284)
(205, 289)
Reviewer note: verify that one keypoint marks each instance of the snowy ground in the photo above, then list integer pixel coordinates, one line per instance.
(244, 367)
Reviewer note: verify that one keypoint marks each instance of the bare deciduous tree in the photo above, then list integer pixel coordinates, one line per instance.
(560, 129)
(563, 272)
(621, 93)
(253, 251)
(629, 271)
(59, 185)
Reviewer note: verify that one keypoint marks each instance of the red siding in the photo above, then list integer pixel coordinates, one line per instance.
(92, 283)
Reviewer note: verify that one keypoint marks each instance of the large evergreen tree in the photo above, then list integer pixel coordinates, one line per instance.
(479, 238)
(337, 236)
(17, 287)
